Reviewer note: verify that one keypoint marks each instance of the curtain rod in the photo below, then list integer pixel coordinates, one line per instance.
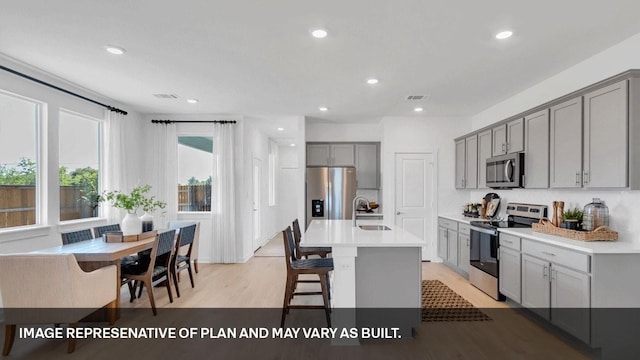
(193, 121)
(109, 107)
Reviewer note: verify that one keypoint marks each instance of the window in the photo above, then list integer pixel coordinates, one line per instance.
(79, 166)
(195, 168)
(19, 185)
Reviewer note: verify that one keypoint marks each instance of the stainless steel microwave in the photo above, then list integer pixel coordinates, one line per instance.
(505, 171)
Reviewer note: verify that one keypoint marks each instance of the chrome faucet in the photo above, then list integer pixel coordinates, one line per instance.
(355, 202)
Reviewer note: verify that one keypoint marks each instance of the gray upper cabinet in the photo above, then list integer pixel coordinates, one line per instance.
(536, 150)
(565, 166)
(461, 163)
(499, 134)
(471, 160)
(342, 155)
(318, 155)
(484, 152)
(367, 166)
(508, 138)
(605, 137)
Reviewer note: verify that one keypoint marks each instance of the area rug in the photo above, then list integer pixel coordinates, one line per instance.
(440, 303)
(274, 247)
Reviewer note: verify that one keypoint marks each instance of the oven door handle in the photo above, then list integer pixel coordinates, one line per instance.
(485, 231)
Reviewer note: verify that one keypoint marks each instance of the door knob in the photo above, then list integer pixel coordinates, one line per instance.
(398, 213)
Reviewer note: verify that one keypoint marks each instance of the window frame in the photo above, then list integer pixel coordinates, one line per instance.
(41, 160)
(101, 163)
(193, 133)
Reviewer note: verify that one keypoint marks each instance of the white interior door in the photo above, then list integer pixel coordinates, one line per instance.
(257, 187)
(415, 194)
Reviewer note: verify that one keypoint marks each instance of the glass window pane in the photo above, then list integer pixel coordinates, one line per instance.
(18, 161)
(79, 166)
(195, 168)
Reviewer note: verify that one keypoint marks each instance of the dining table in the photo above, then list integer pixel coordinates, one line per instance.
(96, 253)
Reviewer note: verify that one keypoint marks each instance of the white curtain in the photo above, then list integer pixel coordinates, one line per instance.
(165, 172)
(114, 161)
(223, 207)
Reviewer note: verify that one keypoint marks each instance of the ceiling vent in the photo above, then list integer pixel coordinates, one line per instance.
(417, 97)
(166, 96)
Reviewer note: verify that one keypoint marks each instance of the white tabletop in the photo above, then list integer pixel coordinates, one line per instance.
(342, 233)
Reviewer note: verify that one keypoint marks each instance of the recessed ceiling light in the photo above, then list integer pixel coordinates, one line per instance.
(319, 33)
(323, 108)
(372, 81)
(280, 129)
(292, 145)
(192, 101)
(504, 34)
(116, 50)
(418, 109)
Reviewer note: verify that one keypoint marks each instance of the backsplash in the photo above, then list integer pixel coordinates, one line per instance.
(623, 205)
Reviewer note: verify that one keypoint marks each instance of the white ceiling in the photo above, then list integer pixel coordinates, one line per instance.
(258, 58)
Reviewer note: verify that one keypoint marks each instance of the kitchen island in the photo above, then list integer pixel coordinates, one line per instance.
(373, 270)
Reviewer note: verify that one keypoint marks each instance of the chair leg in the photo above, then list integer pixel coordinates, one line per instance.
(195, 265)
(71, 346)
(323, 284)
(287, 299)
(9, 337)
(140, 285)
(151, 300)
(132, 291)
(175, 282)
(168, 281)
(190, 275)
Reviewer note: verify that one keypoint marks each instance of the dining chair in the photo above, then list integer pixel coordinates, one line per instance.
(177, 224)
(161, 271)
(51, 289)
(76, 236)
(296, 267)
(183, 262)
(98, 231)
(305, 251)
(141, 273)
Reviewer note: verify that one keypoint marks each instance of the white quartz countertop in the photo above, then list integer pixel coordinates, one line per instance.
(590, 247)
(363, 214)
(342, 233)
(461, 218)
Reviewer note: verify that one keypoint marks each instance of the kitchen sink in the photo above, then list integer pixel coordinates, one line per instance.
(374, 227)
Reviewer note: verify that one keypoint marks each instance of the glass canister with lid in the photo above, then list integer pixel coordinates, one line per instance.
(595, 214)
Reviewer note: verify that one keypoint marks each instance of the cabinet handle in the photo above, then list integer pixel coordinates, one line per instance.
(446, 235)
(585, 177)
(499, 251)
(504, 147)
(553, 274)
(544, 272)
(507, 241)
(577, 178)
(548, 253)
(508, 147)
(467, 242)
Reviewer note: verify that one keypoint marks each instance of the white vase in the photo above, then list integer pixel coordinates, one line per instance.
(147, 222)
(131, 224)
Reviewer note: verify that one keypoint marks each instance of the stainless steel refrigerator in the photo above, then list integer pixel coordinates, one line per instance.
(330, 192)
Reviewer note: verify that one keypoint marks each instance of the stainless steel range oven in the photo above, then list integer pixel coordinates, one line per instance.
(485, 241)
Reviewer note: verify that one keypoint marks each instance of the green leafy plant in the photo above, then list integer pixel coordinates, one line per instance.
(573, 214)
(134, 200)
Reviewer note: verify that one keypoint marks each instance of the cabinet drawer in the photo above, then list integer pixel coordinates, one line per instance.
(449, 224)
(509, 241)
(554, 254)
(464, 229)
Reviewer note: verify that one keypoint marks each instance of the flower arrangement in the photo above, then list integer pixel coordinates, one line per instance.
(133, 201)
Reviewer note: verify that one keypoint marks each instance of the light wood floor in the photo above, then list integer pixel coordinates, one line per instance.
(259, 283)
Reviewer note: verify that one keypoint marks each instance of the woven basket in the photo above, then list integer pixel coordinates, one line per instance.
(602, 233)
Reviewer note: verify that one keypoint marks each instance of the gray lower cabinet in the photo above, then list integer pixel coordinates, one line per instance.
(452, 247)
(464, 242)
(556, 292)
(442, 242)
(454, 244)
(509, 280)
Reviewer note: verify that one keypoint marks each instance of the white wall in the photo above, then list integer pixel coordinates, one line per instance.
(618, 58)
(612, 61)
(317, 131)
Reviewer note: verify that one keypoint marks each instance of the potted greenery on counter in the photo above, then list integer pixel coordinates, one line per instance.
(572, 219)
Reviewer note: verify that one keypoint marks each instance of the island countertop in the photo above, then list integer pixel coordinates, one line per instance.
(343, 233)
